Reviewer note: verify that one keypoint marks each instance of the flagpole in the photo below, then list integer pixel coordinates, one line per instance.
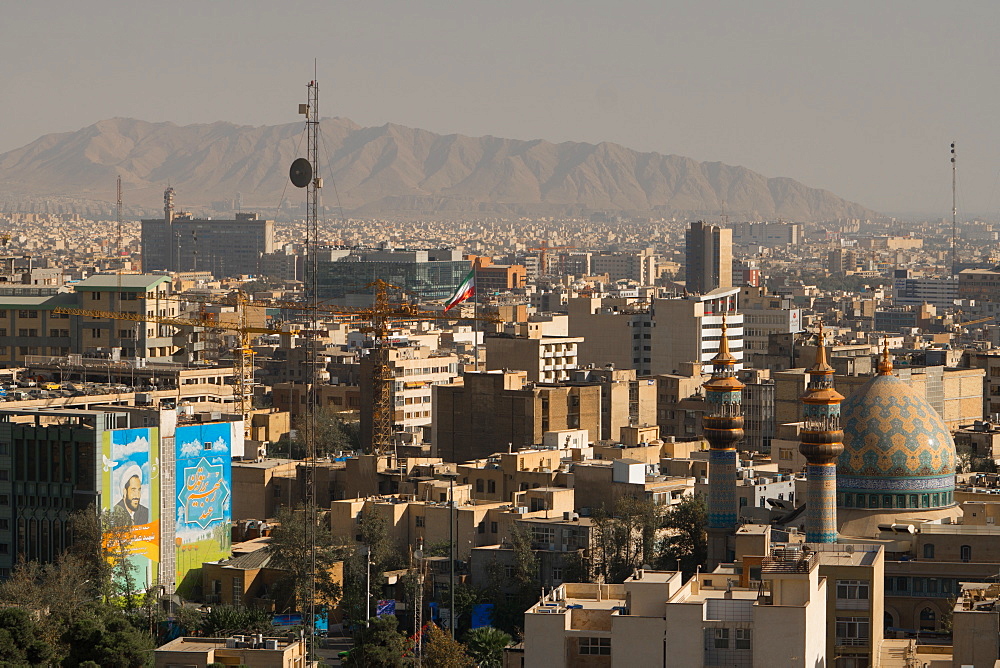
(475, 322)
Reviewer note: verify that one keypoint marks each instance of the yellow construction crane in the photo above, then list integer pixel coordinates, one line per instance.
(377, 320)
(242, 357)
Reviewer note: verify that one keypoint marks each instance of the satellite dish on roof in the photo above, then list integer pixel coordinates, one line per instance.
(300, 173)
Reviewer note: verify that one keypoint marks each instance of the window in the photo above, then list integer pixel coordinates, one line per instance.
(928, 619)
(721, 638)
(965, 553)
(479, 485)
(595, 646)
(557, 574)
(491, 486)
(743, 637)
(852, 630)
(929, 551)
(853, 590)
(493, 527)
(237, 591)
(419, 521)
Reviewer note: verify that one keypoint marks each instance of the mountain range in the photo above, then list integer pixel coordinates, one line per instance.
(394, 170)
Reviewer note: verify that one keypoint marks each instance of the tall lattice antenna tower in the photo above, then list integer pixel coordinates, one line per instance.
(312, 249)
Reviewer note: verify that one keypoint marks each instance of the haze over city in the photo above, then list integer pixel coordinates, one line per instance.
(857, 99)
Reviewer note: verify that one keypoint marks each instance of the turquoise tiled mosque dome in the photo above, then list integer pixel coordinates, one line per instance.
(898, 452)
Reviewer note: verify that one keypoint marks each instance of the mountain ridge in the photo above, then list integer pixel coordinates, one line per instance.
(394, 169)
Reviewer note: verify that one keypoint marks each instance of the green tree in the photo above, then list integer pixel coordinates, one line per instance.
(687, 540)
(440, 650)
(626, 539)
(107, 638)
(291, 541)
(486, 645)
(21, 640)
(516, 592)
(333, 434)
(374, 531)
(378, 644)
(227, 620)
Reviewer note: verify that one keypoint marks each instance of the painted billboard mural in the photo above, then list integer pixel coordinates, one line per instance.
(203, 500)
(132, 493)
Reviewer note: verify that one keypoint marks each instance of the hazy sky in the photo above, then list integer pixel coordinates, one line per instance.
(861, 98)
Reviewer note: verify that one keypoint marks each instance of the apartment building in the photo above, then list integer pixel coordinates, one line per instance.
(29, 326)
(496, 411)
(414, 371)
(639, 266)
(664, 334)
(547, 359)
(708, 257)
(626, 399)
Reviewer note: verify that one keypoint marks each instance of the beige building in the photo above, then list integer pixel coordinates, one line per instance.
(626, 399)
(248, 651)
(664, 334)
(639, 266)
(655, 618)
(547, 359)
(498, 411)
(415, 371)
(976, 626)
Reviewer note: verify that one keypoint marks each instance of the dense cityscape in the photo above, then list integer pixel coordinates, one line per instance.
(595, 440)
(560, 335)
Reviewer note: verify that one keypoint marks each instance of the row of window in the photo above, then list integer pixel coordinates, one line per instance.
(927, 500)
(920, 586)
(723, 638)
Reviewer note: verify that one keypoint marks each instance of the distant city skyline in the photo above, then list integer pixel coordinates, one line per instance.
(859, 99)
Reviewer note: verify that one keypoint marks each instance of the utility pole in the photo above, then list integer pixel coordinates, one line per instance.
(451, 547)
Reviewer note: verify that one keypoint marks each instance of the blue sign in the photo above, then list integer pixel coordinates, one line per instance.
(294, 619)
(482, 615)
(385, 607)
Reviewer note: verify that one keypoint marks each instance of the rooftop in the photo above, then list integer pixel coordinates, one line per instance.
(112, 282)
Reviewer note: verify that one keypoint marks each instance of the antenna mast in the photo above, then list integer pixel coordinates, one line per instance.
(312, 249)
(954, 213)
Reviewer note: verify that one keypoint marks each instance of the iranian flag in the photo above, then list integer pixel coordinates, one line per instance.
(466, 289)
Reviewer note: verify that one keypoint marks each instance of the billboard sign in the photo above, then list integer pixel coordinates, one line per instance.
(203, 499)
(132, 494)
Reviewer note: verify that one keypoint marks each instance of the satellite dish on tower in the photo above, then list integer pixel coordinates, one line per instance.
(300, 173)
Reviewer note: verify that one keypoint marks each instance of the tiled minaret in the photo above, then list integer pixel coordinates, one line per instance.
(822, 443)
(723, 428)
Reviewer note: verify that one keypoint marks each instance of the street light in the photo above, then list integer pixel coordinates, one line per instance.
(451, 543)
(418, 618)
(367, 551)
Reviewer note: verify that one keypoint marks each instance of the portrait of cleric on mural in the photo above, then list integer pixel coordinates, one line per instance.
(130, 484)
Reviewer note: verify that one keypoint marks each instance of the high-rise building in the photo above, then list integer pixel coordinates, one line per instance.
(664, 336)
(425, 274)
(912, 291)
(180, 242)
(709, 257)
(767, 234)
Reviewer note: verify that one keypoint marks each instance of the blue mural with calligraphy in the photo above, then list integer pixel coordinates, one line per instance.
(204, 486)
